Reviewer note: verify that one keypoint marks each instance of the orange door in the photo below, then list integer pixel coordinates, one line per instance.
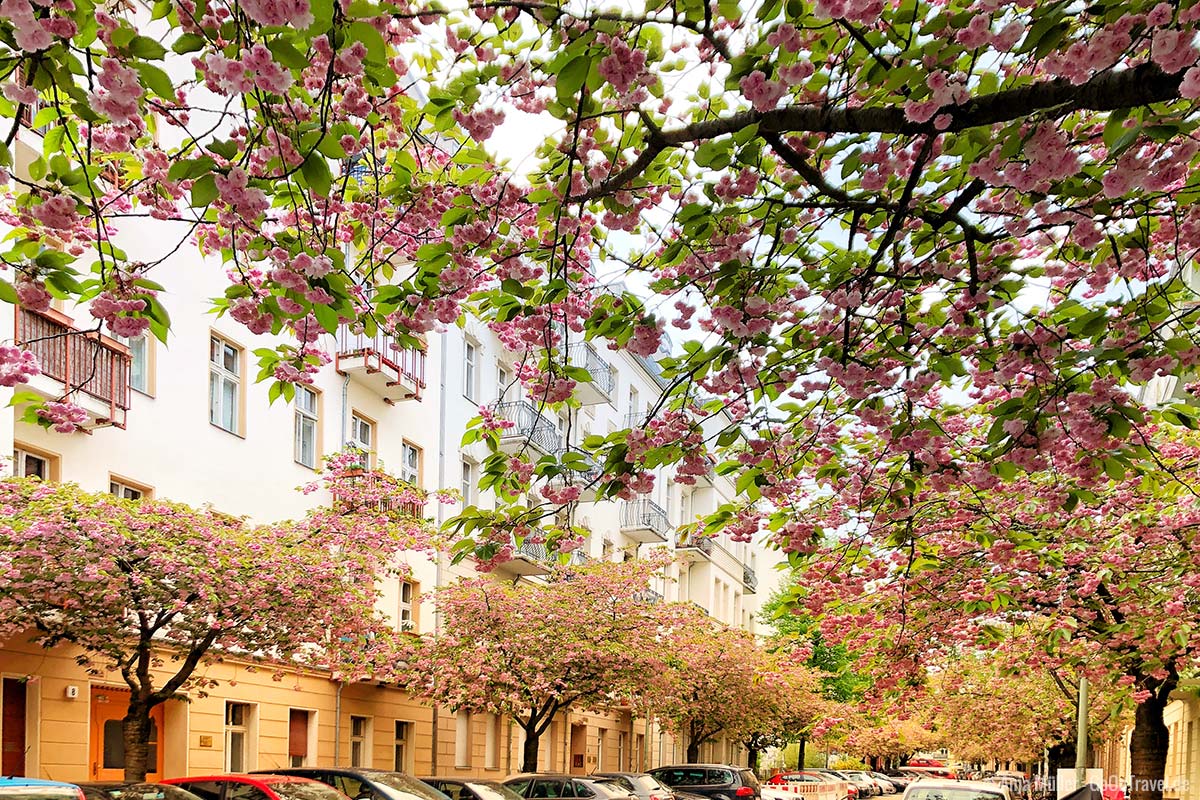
(107, 741)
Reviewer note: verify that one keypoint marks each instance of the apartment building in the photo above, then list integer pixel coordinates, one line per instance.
(186, 421)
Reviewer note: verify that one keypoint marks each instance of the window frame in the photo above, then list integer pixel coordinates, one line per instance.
(408, 473)
(353, 440)
(245, 728)
(468, 482)
(51, 460)
(149, 354)
(146, 492)
(408, 606)
(218, 371)
(470, 370)
(401, 744)
(313, 417)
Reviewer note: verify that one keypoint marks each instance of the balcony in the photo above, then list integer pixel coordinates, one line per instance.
(87, 368)
(529, 429)
(644, 521)
(380, 364)
(693, 547)
(749, 579)
(649, 597)
(529, 559)
(582, 471)
(378, 491)
(602, 382)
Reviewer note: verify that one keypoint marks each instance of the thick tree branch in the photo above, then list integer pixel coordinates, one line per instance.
(1142, 85)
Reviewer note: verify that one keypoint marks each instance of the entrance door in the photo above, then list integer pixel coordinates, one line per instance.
(578, 749)
(107, 740)
(12, 727)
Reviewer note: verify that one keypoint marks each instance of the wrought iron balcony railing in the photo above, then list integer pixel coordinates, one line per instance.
(528, 425)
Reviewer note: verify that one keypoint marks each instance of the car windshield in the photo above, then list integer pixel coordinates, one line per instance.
(494, 791)
(607, 786)
(931, 793)
(693, 776)
(403, 787)
(305, 790)
(39, 792)
(646, 783)
(139, 791)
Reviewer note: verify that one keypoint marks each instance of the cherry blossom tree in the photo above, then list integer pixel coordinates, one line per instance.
(152, 590)
(720, 681)
(1099, 574)
(586, 637)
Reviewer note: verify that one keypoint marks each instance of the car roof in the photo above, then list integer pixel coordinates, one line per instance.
(947, 783)
(17, 781)
(243, 777)
(695, 766)
(528, 775)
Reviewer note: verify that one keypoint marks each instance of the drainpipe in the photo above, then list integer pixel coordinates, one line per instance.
(337, 725)
(345, 406)
(439, 578)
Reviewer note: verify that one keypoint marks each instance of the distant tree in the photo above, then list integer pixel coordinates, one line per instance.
(586, 637)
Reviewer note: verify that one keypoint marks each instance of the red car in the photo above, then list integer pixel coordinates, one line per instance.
(256, 787)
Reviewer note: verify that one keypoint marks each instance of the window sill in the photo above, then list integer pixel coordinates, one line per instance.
(143, 392)
(226, 430)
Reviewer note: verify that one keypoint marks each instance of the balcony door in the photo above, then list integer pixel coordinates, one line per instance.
(107, 740)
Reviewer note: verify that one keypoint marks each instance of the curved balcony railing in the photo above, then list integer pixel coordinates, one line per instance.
(528, 425)
(690, 541)
(604, 377)
(645, 515)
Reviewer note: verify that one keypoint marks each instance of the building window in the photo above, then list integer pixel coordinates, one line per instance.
(238, 719)
(224, 385)
(360, 729)
(298, 734)
(123, 488)
(404, 612)
(362, 437)
(462, 740)
(31, 465)
(503, 379)
(470, 357)
(410, 463)
(400, 746)
(139, 363)
(468, 483)
(492, 736)
(306, 427)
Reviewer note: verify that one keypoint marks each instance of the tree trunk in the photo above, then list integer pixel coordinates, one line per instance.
(529, 753)
(135, 730)
(1148, 743)
(1062, 756)
(693, 751)
(752, 758)
(800, 756)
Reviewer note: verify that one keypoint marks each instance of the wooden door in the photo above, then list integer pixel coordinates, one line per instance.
(12, 727)
(107, 741)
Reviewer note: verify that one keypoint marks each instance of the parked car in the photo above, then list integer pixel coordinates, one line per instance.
(800, 776)
(471, 789)
(129, 790)
(714, 781)
(867, 786)
(889, 785)
(233, 786)
(361, 783)
(34, 789)
(940, 789)
(640, 784)
(552, 786)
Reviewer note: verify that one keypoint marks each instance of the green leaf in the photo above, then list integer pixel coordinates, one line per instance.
(145, 47)
(572, 78)
(371, 39)
(189, 43)
(204, 191)
(155, 79)
(316, 171)
(7, 293)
